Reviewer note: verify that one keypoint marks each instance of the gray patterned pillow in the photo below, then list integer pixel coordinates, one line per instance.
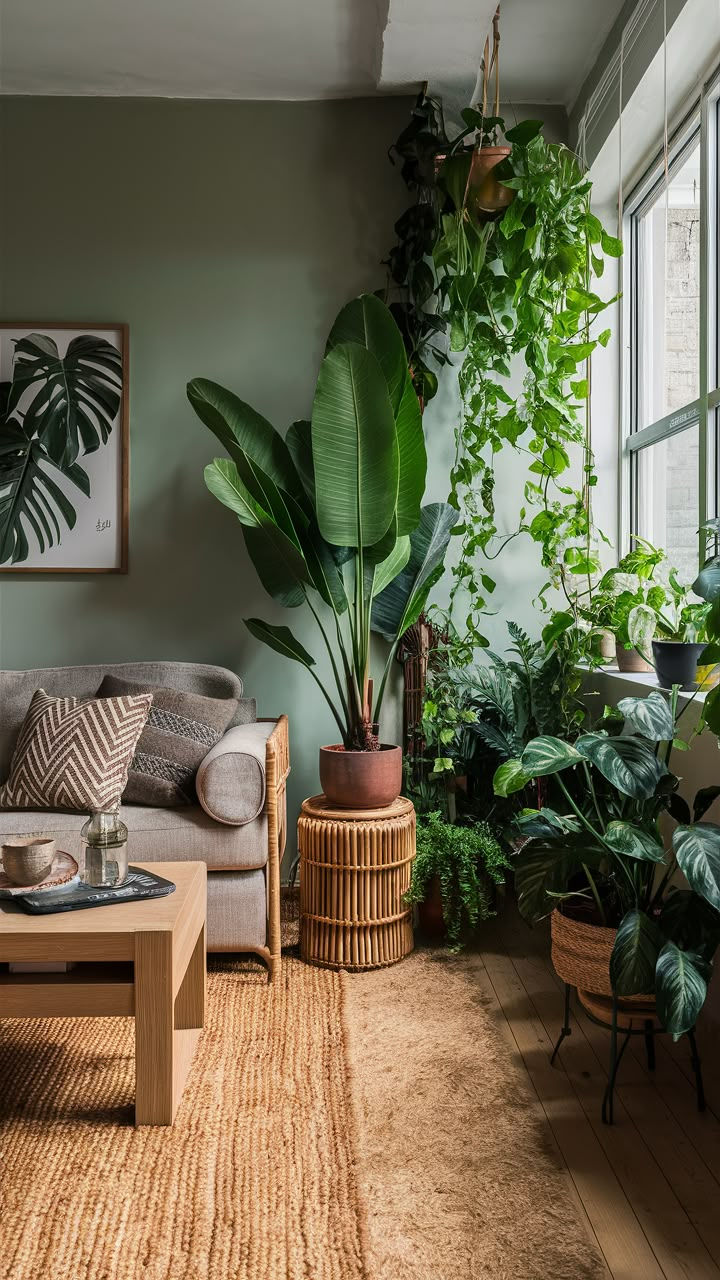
(180, 730)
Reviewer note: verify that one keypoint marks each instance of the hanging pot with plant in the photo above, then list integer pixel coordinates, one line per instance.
(332, 519)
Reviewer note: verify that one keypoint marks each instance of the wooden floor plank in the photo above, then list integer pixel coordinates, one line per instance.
(616, 1226)
(676, 1242)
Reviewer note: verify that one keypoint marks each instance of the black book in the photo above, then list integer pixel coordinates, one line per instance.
(139, 885)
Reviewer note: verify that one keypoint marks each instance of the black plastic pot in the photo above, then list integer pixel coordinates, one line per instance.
(676, 662)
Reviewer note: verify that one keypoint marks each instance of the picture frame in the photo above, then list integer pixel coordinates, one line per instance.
(64, 447)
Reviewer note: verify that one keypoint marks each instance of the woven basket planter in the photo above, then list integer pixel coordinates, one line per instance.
(581, 956)
(355, 868)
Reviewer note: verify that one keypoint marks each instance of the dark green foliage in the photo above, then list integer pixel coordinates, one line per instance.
(468, 862)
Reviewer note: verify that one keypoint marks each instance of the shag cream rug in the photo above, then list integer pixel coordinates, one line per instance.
(364, 1127)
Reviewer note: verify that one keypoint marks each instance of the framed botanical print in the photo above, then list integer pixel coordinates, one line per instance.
(63, 448)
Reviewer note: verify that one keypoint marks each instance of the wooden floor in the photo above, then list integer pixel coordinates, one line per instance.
(650, 1184)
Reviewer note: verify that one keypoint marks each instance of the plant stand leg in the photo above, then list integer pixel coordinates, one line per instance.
(615, 1060)
(695, 1059)
(566, 1028)
(650, 1044)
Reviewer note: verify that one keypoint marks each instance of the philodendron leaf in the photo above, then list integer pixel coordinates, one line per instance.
(634, 955)
(707, 583)
(509, 777)
(545, 822)
(547, 755)
(680, 988)
(691, 923)
(703, 800)
(281, 640)
(697, 849)
(641, 625)
(650, 716)
(544, 869)
(632, 842)
(628, 763)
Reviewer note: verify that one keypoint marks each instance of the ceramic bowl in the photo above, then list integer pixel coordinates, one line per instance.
(28, 859)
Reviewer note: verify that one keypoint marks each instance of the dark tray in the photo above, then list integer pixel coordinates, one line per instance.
(139, 885)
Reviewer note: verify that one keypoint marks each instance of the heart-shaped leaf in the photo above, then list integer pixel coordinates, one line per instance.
(703, 800)
(634, 955)
(650, 716)
(546, 755)
(632, 842)
(680, 988)
(509, 777)
(697, 849)
(626, 762)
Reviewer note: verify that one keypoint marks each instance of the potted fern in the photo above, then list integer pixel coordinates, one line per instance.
(455, 873)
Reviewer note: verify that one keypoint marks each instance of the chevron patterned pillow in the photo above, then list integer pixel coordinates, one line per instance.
(74, 754)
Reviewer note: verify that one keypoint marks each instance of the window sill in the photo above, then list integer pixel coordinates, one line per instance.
(640, 680)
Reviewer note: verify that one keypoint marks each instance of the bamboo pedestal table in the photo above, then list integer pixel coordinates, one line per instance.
(355, 867)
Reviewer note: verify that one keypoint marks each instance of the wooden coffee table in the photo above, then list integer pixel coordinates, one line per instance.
(138, 959)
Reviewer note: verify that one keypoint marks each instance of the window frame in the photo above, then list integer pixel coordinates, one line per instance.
(701, 122)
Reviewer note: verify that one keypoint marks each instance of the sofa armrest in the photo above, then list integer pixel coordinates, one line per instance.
(231, 781)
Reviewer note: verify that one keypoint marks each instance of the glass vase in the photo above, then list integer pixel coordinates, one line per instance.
(104, 837)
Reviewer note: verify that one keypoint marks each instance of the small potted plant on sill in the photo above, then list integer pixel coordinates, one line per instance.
(455, 873)
(630, 584)
(332, 519)
(603, 872)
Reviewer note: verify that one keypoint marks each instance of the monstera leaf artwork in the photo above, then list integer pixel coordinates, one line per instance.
(58, 406)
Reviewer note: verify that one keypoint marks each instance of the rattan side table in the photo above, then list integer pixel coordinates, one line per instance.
(355, 867)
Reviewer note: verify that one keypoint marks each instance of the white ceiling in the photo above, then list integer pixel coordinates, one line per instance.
(294, 49)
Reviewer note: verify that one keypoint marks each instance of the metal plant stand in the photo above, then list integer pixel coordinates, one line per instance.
(648, 1028)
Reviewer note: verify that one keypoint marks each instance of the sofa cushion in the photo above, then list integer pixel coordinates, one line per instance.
(180, 730)
(236, 910)
(74, 755)
(231, 779)
(18, 687)
(155, 835)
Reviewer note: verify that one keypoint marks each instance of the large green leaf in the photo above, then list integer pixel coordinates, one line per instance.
(704, 798)
(391, 566)
(544, 870)
(697, 849)
(707, 583)
(355, 450)
(626, 762)
(368, 322)
(68, 402)
(632, 842)
(299, 444)
(650, 716)
(403, 600)
(31, 503)
(242, 431)
(546, 755)
(281, 640)
(690, 922)
(680, 988)
(412, 460)
(634, 955)
(509, 778)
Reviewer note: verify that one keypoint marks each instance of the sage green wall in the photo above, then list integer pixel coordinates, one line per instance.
(227, 235)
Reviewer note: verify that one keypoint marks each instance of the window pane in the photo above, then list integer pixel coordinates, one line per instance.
(667, 511)
(668, 265)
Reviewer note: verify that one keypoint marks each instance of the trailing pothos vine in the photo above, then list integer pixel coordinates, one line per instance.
(514, 284)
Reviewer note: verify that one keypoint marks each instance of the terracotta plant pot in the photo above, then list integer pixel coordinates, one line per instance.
(485, 193)
(630, 660)
(676, 662)
(430, 912)
(361, 779)
(581, 954)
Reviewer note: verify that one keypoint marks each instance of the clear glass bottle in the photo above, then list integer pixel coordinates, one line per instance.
(104, 838)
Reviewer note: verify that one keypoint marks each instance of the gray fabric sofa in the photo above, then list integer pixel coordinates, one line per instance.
(238, 828)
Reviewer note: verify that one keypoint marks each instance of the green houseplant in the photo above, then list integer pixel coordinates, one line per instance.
(603, 865)
(454, 875)
(332, 519)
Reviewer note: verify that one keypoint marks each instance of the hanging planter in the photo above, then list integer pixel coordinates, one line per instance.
(486, 193)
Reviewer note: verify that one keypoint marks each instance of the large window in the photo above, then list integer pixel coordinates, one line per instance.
(671, 341)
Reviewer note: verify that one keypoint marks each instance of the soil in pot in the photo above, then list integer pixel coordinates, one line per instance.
(630, 660)
(361, 779)
(676, 662)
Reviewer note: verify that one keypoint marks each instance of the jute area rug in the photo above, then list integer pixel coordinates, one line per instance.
(366, 1127)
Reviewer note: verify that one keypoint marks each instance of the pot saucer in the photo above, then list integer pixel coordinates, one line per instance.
(62, 875)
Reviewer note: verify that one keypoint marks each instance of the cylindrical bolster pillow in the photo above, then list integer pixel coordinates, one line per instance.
(230, 782)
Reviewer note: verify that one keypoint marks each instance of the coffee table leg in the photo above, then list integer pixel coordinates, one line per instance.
(190, 999)
(154, 1038)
